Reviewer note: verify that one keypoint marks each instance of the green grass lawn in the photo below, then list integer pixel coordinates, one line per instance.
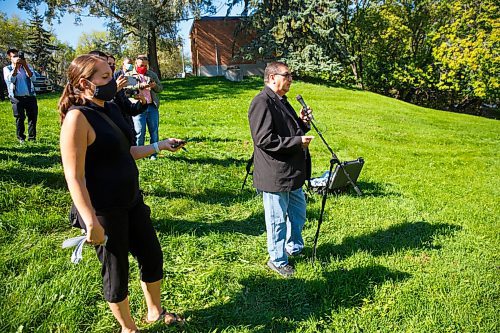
(419, 252)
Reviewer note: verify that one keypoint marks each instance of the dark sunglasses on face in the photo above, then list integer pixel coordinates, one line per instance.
(286, 75)
(142, 58)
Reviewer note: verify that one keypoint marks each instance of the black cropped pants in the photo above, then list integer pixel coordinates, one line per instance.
(128, 231)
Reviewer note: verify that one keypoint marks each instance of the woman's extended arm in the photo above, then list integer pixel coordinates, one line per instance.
(139, 152)
(76, 135)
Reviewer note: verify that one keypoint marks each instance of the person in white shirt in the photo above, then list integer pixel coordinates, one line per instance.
(19, 76)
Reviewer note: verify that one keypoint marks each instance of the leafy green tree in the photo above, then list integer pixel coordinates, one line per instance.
(294, 31)
(350, 33)
(62, 58)
(169, 58)
(148, 20)
(13, 34)
(95, 40)
(39, 44)
(18, 33)
(467, 51)
(432, 52)
(399, 58)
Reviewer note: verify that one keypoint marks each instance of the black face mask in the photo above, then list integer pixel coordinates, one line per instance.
(107, 91)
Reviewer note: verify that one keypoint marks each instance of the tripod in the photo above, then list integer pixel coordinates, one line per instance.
(333, 160)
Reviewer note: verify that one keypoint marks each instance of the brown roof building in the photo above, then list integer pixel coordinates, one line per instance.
(213, 48)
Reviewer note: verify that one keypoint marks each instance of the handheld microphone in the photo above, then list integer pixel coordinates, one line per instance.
(301, 101)
(304, 105)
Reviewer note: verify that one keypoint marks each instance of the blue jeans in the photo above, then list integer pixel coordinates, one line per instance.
(150, 117)
(285, 214)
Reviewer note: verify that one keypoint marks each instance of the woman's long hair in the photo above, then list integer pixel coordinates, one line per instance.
(83, 66)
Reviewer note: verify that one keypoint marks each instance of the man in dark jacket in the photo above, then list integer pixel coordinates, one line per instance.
(281, 165)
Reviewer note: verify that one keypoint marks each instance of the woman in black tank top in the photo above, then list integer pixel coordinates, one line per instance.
(99, 167)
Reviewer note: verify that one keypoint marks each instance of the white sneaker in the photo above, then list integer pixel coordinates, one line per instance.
(285, 271)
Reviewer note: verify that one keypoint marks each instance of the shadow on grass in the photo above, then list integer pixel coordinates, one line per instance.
(373, 189)
(253, 225)
(27, 177)
(208, 196)
(207, 87)
(198, 139)
(369, 189)
(413, 235)
(36, 160)
(229, 161)
(272, 304)
(30, 148)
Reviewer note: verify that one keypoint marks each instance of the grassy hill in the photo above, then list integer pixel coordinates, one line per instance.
(419, 252)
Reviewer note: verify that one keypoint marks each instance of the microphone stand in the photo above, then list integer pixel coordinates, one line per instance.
(334, 160)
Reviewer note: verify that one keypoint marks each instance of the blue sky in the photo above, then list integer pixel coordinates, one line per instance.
(68, 32)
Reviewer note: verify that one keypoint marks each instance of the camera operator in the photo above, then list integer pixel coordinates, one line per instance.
(19, 79)
(129, 100)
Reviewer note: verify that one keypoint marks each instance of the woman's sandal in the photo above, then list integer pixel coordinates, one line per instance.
(169, 318)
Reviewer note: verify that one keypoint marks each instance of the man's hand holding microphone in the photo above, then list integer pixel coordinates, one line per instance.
(306, 116)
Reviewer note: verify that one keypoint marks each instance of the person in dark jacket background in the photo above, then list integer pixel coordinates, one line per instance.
(281, 165)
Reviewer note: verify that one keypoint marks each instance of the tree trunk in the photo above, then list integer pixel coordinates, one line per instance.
(354, 70)
(360, 69)
(358, 74)
(153, 52)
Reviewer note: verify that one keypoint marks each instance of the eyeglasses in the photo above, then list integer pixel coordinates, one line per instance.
(286, 75)
(142, 58)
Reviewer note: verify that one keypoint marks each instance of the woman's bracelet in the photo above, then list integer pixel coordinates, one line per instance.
(156, 147)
